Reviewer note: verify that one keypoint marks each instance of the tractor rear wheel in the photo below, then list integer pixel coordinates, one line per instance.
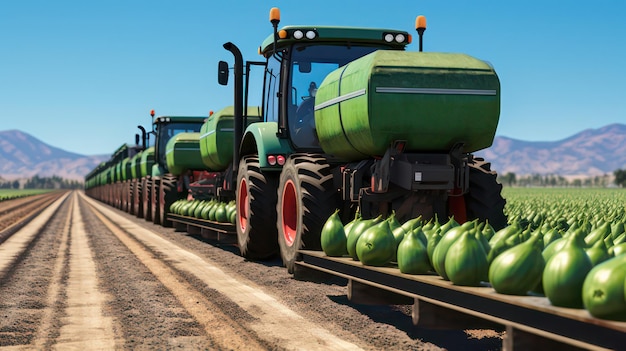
(155, 199)
(167, 195)
(306, 198)
(256, 218)
(131, 196)
(484, 199)
(147, 189)
(141, 185)
(123, 195)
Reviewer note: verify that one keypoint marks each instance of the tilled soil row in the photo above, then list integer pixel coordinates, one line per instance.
(156, 307)
(38, 311)
(148, 314)
(248, 312)
(24, 288)
(322, 299)
(14, 213)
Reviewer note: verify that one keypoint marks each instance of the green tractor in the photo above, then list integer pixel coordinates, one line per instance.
(158, 188)
(350, 120)
(110, 181)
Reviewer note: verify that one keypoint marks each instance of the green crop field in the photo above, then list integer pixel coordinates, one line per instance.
(9, 194)
(552, 205)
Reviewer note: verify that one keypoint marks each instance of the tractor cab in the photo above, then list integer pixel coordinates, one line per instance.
(307, 66)
(164, 128)
(299, 58)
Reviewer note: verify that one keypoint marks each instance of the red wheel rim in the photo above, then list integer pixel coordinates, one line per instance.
(242, 205)
(162, 208)
(289, 212)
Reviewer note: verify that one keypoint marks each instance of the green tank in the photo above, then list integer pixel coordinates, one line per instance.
(183, 153)
(112, 173)
(216, 137)
(135, 165)
(126, 168)
(102, 178)
(117, 174)
(430, 100)
(147, 161)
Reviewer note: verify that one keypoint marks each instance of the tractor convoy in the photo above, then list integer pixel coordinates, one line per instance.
(349, 120)
(353, 131)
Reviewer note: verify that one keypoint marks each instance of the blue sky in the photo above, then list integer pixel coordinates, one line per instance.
(81, 75)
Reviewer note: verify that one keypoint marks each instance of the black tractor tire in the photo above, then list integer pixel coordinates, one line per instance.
(120, 195)
(484, 199)
(306, 198)
(139, 198)
(155, 200)
(256, 218)
(147, 196)
(107, 194)
(131, 196)
(116, 195)
(125, 194)
(167, 196)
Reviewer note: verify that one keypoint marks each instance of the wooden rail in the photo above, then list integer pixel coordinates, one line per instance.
(225, 233)
(530, 321)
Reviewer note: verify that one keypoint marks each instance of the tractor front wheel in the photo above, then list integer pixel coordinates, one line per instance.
(167, 195)
(255, 219)
(141, 186)
(156, 199)
(147, 189)
(131, 197)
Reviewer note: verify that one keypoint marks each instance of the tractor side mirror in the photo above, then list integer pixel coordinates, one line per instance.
(136, 139)
(222, 73)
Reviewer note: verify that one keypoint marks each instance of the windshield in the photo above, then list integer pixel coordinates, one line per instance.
(167, 130)
(310, 64)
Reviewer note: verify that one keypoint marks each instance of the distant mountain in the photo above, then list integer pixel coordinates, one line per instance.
(589, 153)
(23, 156)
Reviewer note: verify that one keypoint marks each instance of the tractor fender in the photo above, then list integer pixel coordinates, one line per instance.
(262, 139)
(157, 170)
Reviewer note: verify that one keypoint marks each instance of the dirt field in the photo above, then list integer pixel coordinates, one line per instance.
(96, 278)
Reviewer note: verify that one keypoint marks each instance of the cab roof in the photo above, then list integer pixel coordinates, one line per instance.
(171, 119)
(391, 38)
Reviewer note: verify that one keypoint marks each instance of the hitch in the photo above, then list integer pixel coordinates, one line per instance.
(382, 168)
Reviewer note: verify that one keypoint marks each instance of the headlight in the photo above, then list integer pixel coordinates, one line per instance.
(310, 35)
(298, 34)
(400, 38)
(389, 37)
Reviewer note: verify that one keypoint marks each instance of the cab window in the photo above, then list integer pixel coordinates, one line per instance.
(310, 64)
